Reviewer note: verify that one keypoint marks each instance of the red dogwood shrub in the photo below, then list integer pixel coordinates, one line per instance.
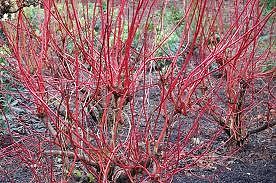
(113, 89)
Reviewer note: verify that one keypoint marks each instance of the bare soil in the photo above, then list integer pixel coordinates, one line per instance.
(255, 162)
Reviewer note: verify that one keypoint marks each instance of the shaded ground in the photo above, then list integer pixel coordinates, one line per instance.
(256, 162)
(259, 171)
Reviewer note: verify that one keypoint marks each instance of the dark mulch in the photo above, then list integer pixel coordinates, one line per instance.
(259, 171)
(255, 162)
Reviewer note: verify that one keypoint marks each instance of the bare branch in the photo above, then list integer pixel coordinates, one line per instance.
(264, 127)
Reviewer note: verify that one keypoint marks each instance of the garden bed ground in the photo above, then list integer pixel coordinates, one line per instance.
(255, 162)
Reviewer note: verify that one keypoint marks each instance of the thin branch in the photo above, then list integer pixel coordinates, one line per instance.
(261, 128)
(71, 154)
